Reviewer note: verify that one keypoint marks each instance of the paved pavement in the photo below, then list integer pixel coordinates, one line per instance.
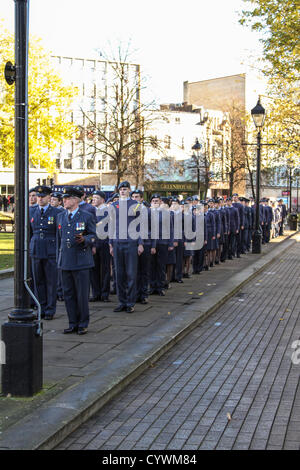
(229, 384)
(82, 374)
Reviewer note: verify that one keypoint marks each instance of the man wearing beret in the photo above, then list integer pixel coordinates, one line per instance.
(76, 234)
(100, 274)
(83, 205)
(43, 225)
(124, 248)
(144, 260)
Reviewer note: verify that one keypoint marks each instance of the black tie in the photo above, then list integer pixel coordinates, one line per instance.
(70, 216)
(42, 211)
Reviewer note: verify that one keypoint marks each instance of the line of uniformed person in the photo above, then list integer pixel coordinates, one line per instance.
(77, 247)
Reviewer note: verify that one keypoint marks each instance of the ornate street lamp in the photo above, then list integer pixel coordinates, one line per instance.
(258, 114)
(197, 146)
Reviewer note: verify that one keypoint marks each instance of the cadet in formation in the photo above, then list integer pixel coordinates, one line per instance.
(79, 247)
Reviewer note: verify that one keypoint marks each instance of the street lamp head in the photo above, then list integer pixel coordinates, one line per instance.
(258, 114)
(197, 145)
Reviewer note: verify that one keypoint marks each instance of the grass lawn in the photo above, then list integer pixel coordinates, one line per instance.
(6, 256)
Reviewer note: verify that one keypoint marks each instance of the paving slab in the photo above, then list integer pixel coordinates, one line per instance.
(83, 373)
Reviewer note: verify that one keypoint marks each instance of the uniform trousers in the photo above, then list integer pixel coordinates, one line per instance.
(177, 272)
(76, 286)
(231, 244)
(238, 237)
(45, 283)
(245, 237)
(158, 268)
(224, 252)
(100, 273)
(143, 276)
(59, 283)
(126, 261)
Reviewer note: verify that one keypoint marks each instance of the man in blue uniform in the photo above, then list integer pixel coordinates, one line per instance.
(100, 274)
(76, 234)
(283, 213)
(124, 248)
(32, 199)
(233, 227)
(43, 224)
(164, 242)
(144, 260)
(56, 201)
(83, 205)
(239, 234)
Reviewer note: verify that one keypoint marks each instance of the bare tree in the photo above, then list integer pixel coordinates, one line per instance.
(237, 153)
(122, 135)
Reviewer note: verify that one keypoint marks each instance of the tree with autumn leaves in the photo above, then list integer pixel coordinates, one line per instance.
(278, 21)
(49, 106)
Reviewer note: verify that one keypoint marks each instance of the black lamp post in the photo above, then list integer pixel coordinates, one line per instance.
(258, 114)
(290, 168)
(22, 372)
(197, 146)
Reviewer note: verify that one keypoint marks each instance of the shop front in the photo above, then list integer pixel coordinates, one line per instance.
(169, 188)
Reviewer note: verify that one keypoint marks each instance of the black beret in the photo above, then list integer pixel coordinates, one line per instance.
(99, 193)
(72, 191)
(114, 196)
(56, 194)
(124, 184)
(137, 191)
(155, 196)
(43, 190)
(32, 190)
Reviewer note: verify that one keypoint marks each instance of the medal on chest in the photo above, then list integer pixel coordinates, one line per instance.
(80, 226)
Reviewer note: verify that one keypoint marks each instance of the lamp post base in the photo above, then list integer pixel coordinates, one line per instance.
(22, 373)
(256, 241)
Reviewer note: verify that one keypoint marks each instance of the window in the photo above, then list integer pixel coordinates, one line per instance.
(90, 164)
(57, 163)
(182, 143)
(101, 165)
(112, 165)
(177, 120)
(68, 164)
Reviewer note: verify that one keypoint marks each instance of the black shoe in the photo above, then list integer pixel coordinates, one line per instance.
(144, 301)
(95, 299)
(71, 329)
(105, 299)
(129, 309)
(211, 265)
(113, 292)
(238, 256)
(230, 257)
(60, 298)
(206, 268)
(49, 317)
(152, 292)
(120, 308)
(180, 281)
(217, 262)
(162, 293)
(82, 331)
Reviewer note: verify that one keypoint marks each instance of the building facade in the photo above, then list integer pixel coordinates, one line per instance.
(83, 159)
(172, 166)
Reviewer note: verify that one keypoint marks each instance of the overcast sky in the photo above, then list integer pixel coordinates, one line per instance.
(174, 40)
